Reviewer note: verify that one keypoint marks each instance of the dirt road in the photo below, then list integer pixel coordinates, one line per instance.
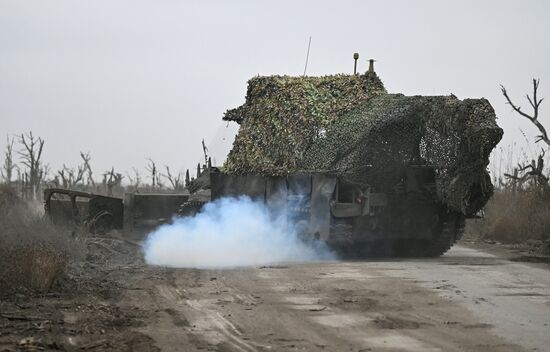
(467, 300)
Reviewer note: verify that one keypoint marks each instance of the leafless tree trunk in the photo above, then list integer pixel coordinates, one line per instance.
(9, 166)
(71, 177)
(175, 181)
(31, 155)
(535, 170)
(535, 104)
(45, 172)
(112, 179)
(152, 169)
(135, 179)
(86, 166)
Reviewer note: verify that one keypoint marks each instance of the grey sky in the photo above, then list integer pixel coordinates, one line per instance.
(130, 79)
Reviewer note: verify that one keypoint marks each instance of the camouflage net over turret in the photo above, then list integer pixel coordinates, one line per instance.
(374, 143)
(349, 125)
(282, 116)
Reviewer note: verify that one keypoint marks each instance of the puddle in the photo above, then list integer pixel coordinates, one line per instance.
(306, 303)
(347, 274)
(399, 342)
(340, 320)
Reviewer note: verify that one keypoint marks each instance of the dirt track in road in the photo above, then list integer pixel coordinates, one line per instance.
(467, 300)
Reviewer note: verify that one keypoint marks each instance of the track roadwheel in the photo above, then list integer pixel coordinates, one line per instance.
(190, 208)
(448, 231)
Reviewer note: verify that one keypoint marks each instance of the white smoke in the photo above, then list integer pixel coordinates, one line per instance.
(230, 232)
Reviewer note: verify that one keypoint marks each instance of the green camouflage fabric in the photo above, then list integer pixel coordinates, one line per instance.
(373, 144)
(282, 116)
(349, 125)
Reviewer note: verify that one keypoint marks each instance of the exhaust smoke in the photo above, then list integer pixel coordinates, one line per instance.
(231, 232)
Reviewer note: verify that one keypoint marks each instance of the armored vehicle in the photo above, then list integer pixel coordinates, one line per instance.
(367, 171)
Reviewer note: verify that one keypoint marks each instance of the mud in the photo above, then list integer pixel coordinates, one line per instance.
(114, 302)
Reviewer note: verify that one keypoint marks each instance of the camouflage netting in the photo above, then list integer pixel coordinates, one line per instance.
(282, 116)
(349, 125)
(372, 144)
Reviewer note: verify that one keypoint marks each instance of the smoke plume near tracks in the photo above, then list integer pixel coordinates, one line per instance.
(230, 232)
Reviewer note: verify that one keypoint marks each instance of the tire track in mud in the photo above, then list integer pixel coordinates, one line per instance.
(198, 319)
(340, 305)
(167, 325)
(318, 307)
(215, 320)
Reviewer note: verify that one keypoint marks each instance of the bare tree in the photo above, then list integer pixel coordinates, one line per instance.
(155, 175)
(86, 167)
(45, 171)
(175, 180)
(9, 165)
(535, 104)
(112, 179)
(535, 170)
(134, 179)
(71, 177)
(31, 155)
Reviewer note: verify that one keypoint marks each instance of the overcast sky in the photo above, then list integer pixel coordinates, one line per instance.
(132, 79)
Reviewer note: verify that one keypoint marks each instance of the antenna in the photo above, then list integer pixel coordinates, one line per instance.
(371, 65)
(205, 151)
(307, 55)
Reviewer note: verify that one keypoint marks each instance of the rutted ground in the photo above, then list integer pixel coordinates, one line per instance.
(466, 300)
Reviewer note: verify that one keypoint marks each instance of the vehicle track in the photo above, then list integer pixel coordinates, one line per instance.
(454, 303)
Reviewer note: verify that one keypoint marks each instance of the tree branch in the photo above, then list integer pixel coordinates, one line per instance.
(535, 104)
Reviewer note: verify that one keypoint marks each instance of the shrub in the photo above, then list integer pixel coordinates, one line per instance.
(515, 217)
(33, 252)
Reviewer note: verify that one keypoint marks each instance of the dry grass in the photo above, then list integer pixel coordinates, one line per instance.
(514, 217)
(8, 197)
(31, 268)
(33, 252)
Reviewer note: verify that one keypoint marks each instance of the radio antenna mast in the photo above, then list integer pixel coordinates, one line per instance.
(205, 151)
(307, 55)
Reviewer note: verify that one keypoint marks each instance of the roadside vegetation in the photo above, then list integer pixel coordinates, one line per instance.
(519, 211)
(514, 217)
(25, 170)
(33, 252)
